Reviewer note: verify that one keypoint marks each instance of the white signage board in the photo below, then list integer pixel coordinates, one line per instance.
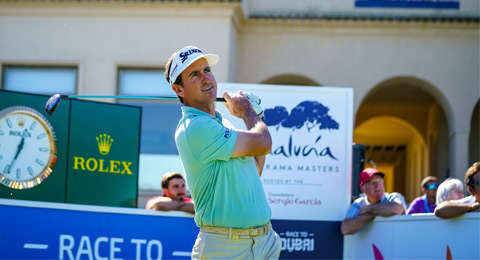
(418, 236)
(307, 176)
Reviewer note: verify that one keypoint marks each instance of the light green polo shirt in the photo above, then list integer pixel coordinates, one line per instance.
(227, 192)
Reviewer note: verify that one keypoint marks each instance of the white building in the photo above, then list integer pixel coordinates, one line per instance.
(413, 65)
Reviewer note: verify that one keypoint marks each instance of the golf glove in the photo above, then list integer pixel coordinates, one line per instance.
(255, 101)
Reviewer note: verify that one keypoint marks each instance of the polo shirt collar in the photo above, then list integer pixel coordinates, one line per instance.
(191, 111)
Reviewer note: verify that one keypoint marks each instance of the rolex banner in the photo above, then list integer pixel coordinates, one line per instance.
(307, 174)
(103, 157)
(85, 152)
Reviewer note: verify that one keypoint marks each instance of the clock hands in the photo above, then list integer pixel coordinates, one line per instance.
(19, 149)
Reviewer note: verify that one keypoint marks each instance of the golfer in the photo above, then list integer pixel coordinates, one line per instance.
(222, 164)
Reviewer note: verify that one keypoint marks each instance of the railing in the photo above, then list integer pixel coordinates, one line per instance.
(422, 236)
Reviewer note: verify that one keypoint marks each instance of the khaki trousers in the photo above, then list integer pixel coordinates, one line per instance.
(212, 245)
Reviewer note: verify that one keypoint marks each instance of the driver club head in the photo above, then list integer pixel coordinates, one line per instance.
(52, 103)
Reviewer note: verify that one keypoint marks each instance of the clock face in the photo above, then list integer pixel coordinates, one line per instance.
(28, 149)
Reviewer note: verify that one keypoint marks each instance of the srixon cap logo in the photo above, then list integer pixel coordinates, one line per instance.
(308, 114)
(184, 55)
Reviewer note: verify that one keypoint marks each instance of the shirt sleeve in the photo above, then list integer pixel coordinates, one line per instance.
(413, 208)
(354, 209)
(210, 141)
(397, 197)
(151, 202)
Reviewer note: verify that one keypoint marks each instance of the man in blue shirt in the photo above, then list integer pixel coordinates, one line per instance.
(375, 202)
(222, 164)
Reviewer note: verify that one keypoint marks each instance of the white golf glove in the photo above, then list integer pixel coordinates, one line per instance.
(255, 101)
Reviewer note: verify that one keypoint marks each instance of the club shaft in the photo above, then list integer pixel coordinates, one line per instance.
(132, 97)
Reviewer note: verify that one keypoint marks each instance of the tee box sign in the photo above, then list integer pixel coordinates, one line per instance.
(103, 156)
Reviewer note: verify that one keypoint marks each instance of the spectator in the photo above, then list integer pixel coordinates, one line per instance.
(455, 208)
(174, 195)
(376, 202)
(450, 189)
(425, 203)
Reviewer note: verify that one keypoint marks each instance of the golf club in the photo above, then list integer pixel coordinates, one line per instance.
(54, 100)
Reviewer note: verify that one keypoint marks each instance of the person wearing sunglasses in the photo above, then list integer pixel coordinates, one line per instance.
(455, 208)
(425, 203)
(374, 202)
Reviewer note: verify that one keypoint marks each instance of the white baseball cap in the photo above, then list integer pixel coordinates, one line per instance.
(187, 56)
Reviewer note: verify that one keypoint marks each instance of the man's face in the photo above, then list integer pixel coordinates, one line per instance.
(176, 189)
(431, 193)
(476, 188)
(455, 194)
(374, 189)
(199, 88)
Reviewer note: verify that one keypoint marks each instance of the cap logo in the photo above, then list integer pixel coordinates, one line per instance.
(174, 70)
(184, 55)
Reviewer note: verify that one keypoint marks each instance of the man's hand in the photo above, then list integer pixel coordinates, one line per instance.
(238, 105)
(256, 140)
(256, 101)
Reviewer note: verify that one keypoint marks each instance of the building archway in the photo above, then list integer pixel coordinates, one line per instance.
(415, 107)
(394, 146)
(290, 79)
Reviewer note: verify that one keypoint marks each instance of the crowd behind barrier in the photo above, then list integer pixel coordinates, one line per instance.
(418, 236)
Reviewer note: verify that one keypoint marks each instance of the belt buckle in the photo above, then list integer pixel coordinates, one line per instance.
(253, 234)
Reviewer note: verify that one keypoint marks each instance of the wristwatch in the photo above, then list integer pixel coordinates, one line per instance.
(28, 149)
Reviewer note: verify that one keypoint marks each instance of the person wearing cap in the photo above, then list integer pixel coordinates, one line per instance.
(375, 202)
(427, 202)
(174, 195)
(455, 208)
(222, 164)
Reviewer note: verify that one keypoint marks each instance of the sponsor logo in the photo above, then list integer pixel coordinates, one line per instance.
(309, 115)
(286, 199)
(20, 133)
(227, 133)
(173, 71)
(21, 121)
(104, 143)
(184, 55)
(298, 241)
(101, 165)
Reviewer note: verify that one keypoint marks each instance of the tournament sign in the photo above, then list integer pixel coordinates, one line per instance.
(307, 175)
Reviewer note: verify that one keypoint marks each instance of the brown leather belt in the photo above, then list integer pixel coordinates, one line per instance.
(252, 232)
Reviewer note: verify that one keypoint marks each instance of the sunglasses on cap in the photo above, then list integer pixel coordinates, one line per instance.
(475, 183)
(432, 186)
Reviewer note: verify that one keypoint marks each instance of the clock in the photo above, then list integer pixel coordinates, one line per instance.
(28, 149)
